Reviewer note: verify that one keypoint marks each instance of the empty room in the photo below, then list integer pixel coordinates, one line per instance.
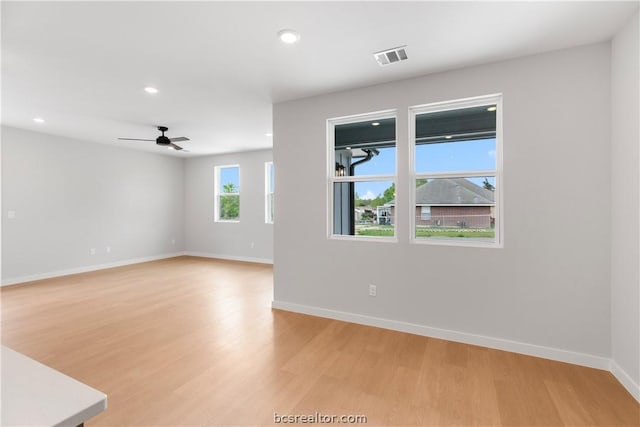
(370, 213)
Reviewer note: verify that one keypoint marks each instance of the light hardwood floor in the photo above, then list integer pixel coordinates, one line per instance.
(190, 341)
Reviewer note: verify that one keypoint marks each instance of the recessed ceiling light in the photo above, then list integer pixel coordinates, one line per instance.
(375, 124)
(448, 137)
(348, 148)
(38, 120)
(268, 134)
(288, 36)
(150, 89)
(492, 108)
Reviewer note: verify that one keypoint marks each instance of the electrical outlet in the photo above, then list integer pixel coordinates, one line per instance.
(173, 241)
(373, 290)
(108, 249)
(253, 245)
(92, 251)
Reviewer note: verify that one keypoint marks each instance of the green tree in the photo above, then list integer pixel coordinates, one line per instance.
(359, 201)
(486, 184)
(367, 216)
(389, 194)
(229, 202)
(229, 188)
(378, 201)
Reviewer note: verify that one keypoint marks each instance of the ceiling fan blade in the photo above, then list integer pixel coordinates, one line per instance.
(135, 139)
(179, 139)
(175, 147)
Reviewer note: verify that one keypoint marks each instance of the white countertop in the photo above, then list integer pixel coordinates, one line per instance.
(36, 395)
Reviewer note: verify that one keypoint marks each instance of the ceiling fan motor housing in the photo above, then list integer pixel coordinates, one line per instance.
(163, 140)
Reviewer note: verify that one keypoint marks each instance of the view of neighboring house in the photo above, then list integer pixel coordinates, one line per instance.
(449, 202)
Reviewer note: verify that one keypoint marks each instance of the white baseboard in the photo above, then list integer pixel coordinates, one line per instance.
(51, 274)
(632, 387)
(85, 269)
(229, 257)
(463, 337)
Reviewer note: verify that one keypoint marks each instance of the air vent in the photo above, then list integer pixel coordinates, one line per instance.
(390, 56)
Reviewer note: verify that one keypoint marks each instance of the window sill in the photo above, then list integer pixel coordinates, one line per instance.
(435, 241)
(364, 238)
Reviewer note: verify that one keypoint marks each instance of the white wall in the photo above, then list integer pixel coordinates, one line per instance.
(228, 239)
(70, 196)
(625, 206)
(548, 286)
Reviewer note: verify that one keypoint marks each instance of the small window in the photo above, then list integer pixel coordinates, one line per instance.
(362, 176)
(269, 189)
(425, 213)
(457, 168)
(227, 193)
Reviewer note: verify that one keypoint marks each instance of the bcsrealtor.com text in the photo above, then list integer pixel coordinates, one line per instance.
(318, 418)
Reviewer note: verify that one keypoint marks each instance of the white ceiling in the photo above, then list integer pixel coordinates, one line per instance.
(219, 66)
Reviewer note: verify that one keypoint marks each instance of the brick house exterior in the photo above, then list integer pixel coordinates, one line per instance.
(451, 202)
(456, 216)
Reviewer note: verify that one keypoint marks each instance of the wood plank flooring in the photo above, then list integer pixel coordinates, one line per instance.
(190, 341)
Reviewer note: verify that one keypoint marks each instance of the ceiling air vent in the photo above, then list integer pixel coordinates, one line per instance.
(389, 56)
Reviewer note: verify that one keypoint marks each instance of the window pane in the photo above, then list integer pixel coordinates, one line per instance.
(364, 208)
(366, 148)
(229, 207)
(269, 187)
(456, 156)
(270, 207)
(462, 139)
(271, 178)
(425, 213)
(455, 208)
(230, 179)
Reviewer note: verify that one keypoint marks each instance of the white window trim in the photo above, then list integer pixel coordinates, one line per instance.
(493, 99)
(267, 187)
(331, 178)
(216, 194)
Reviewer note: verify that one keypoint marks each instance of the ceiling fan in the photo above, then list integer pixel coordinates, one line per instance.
(163, 140)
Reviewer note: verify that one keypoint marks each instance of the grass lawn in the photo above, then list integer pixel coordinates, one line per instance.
(383, 231)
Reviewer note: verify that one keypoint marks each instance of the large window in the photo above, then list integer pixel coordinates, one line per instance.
(227, 193)
(457, 152)
(362, 176)
(269, 189)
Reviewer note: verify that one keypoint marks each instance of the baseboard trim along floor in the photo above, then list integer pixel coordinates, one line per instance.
(581, 359)
(85, 269)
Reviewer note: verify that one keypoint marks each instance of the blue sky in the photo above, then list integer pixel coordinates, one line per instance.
(464, 155)
(229, 175)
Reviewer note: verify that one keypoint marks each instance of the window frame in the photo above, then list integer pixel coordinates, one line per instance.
(268, 203)
(414, 111)
(332, 178)
(217, 194)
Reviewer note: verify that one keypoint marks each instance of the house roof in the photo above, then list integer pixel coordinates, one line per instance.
(452, 191)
